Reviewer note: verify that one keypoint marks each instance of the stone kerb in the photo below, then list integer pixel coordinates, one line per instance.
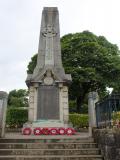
(3, 107)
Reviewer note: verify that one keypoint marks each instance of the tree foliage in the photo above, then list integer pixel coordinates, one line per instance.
(93, 62)
(32, 64)
(18, 98)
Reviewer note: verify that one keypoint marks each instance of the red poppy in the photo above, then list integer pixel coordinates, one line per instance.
(26, 131)
(37, 131)
(70, 131)
(61, 131)
(53, 131)
(45, 131)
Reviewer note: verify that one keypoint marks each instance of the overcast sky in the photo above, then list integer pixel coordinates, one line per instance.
(20, 26)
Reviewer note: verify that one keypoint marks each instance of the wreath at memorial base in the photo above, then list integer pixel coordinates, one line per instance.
(53, 131)
(70, 131)
(27, 131)
(48, 131)
(37, 131)
(62, 131)
(45, 131)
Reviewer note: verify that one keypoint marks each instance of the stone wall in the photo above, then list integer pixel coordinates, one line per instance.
(109, 142)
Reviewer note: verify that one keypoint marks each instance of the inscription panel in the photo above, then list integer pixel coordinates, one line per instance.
(48, 102)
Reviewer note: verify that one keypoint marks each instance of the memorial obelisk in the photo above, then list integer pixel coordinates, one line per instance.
(48, 85)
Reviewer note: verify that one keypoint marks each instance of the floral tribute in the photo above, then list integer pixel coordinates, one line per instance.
(48, 131)
(37, 131)
(27, 131)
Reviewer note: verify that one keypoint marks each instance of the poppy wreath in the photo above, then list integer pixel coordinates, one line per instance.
(53, 131)
(27, 131)
(45, 131)
(70, 131)
(37, 131)
(62, 131)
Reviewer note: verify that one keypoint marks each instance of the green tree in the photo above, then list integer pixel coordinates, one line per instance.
(93, 62)
(18, 98)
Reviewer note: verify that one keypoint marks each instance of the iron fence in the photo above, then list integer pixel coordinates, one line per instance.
(108, 111)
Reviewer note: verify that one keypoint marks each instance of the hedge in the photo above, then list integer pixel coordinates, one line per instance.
(79, 120)
(16, 117)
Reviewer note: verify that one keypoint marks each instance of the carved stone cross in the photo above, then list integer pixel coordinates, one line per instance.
(49, 33)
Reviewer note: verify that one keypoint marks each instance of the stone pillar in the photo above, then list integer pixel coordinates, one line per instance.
(64, 110)
(92, 99)
(32, 110)
(60, 102)
(65, 105)
(35, 101)
(3, 108)
(31, 104)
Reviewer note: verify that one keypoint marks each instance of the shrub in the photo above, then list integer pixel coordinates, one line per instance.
(16, 117)
(79, 120)
(116, 116)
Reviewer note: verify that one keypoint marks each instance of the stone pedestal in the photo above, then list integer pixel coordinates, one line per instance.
(61, 120)
(92, 99)
(3, 108)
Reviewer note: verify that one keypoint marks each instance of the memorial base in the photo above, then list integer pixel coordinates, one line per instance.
(46, 123)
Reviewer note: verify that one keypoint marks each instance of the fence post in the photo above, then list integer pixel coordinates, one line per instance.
(92, 99)
(3, 108)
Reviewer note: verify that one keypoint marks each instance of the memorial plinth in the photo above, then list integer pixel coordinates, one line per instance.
(48, 85)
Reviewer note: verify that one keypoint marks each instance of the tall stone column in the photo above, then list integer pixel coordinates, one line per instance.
(3, 108)
(92, 99)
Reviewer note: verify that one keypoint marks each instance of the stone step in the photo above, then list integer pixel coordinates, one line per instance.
(55, 157)
(59, 152)
(35, 140)
(49, 148)
(47, 145)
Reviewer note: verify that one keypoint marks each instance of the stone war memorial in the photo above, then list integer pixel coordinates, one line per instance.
(48, 85)
(48, 135)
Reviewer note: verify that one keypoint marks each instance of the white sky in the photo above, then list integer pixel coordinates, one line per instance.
(20, 26)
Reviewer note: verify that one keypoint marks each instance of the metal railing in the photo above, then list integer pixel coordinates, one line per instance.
(108, 111)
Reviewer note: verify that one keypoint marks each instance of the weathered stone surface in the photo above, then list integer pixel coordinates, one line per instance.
(56, 152)
(49, 51)
(47, 145)
(48, 85)
(109, 142)
(3, 107)
(78, 157)
(69, 148)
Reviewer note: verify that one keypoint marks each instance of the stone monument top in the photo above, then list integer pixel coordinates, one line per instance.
(49, 50)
